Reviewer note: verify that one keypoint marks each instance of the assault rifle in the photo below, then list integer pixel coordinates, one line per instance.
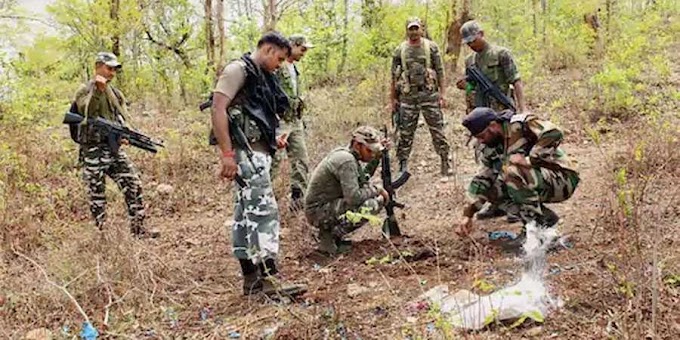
(114, 132)
(390, 225)
(239, 138)
(488, 89)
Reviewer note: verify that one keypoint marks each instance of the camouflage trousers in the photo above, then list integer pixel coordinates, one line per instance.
(99, 162)
(255, 233)
(411, 107)
(523, 190)
(331, 215)
(297, 154)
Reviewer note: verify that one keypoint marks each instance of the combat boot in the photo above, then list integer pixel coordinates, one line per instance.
(445, 168)
(327, 243)
(273, 286)
(549, 218)
(296, 200)
(252, 284)
(489, 211)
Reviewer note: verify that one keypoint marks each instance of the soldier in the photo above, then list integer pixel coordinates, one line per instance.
(418, 82)
(248, 91)
(497, 64)
(340, 184)
(292, 125)
(99, 98)
(532, 170)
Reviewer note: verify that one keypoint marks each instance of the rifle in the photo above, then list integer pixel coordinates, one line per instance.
(489, 89)
(115, 132)
(239, 138)
(390, 225)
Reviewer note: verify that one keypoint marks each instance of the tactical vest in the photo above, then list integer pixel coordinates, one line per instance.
(257, 105)
(416, 77)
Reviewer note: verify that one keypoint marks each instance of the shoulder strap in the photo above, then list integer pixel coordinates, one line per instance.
(402, 48)
(428, 53)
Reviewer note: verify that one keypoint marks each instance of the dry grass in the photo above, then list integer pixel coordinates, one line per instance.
(187, 283)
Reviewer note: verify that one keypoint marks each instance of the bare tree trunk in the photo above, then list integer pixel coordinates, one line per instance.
(345, 27)
(209, 35)
(534, 16)
(454, 40)
(115, 39)
(270, 18)
(220, 22)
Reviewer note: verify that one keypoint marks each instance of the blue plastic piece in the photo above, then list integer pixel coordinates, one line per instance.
(88, 332)
(502, 235)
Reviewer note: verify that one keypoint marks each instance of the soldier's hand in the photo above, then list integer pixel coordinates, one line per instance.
(124, 141)
(385, 195)
(465, 228)
(460, 83)
(442, 102)
(282, 141)
(100, 82)
(394, 105)
(228, 167)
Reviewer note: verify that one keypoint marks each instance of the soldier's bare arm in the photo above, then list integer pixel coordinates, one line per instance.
(512, 74)
(230, 82)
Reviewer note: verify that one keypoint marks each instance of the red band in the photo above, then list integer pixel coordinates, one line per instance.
(229, 153)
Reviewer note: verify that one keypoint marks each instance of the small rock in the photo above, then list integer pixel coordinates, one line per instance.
(165, 189)
(39, 334)
(354, 290)
(411, 319)
(444, 179)
(536, 331)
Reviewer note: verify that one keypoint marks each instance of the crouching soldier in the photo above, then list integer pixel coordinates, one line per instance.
(340, 184)
(532, 170)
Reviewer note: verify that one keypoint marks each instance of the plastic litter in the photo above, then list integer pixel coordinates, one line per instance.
(88, 332)
(527, 299)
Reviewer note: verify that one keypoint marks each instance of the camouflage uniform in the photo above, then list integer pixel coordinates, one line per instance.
(97, 156)
(340, 184)
(417, 84)
(496, 63)
(293, 125)
(255, 232)
(549, 178)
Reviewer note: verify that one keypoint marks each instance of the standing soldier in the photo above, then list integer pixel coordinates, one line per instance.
(98, 98)
(418, 82)
(249, 93)
(497, 64)
(292, 125)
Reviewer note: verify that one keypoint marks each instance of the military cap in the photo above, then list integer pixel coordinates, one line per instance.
(109, 59)
(477, 120)
(368, 136)
(300, 40)
(414, 21)
(469, 31)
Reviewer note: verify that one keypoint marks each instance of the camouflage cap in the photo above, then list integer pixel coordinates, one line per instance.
(477, 120)
(469, 31)
(368, 136)
(109, 59)
(300, 40)
(413, 21)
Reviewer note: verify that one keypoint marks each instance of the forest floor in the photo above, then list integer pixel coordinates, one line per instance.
(187, 284)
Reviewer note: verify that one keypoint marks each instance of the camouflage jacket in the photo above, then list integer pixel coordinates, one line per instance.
(292, 91)
(416, 69)
(498, 65)
(94, 103)
(538, 140)
(341, 176)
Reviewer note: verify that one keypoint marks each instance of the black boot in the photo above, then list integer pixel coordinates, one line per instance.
(272, 284)
(252, 283)
(549, 218)
(445, 168)
(296, 199)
